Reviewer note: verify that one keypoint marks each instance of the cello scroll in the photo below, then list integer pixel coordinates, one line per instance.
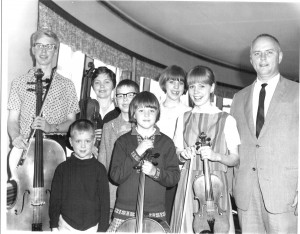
(89, 107)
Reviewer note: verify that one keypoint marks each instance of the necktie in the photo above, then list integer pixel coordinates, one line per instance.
(260, 118)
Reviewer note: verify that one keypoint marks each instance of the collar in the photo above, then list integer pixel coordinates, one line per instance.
(32, 70)
(135, 132)
(209, 110)
(271, 83)
(74, 157)
(110, 108)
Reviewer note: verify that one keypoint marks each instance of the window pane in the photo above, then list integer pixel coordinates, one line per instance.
(227, 104)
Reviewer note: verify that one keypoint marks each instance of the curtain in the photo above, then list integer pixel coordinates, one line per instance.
(79, 40)
(225, 91)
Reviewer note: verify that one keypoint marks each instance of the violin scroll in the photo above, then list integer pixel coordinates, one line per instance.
(150, 157)
(203, 141)
(39, 73)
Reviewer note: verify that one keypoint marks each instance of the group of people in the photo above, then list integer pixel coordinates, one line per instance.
(98, 190)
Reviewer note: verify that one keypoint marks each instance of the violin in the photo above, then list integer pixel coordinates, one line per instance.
(208, 188)
(139, 224)
(32, 172)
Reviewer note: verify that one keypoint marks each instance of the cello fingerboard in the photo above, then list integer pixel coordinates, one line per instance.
(37, 204)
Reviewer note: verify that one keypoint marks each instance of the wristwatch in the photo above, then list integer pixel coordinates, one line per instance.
(56, 128)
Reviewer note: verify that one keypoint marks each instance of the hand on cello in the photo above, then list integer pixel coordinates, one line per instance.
(143, 146)
(204, 151)
(42, 124)
(20, 142)
(98, 133)
(207, 152)
(188, 152)
(148, 168)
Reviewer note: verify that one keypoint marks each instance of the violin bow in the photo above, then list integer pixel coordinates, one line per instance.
(187, 192)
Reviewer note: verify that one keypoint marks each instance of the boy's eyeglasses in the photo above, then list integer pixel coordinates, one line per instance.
(48, 47)
(124, 95)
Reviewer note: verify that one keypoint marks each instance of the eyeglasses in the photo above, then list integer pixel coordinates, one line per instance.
(124, 95)
(48, 47)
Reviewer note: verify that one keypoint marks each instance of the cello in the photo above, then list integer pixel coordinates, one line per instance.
(139, 224)
(89, 108)
(208, 188)
(32, 172)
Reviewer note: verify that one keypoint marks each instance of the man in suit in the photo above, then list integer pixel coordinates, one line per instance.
(267, 115)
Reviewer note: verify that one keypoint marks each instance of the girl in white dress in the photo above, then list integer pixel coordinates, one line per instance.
(221, 128)
(173, 82)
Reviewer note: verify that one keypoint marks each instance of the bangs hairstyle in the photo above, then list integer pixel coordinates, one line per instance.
(82, 125)
(106, 71)
(172, 73)
(143, 99)
(128, 83)
(44, 33)
(200, 74)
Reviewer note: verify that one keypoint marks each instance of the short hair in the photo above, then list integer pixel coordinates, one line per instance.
(44, 32)
(143, 99)
(82, 125)
(266, 35)
(172, 72)
(106, 71)
(200, 74)
(128, 83)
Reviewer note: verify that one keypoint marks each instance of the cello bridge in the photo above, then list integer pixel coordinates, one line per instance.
(38, 203)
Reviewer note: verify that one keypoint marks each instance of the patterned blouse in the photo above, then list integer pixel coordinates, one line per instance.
(60, 102)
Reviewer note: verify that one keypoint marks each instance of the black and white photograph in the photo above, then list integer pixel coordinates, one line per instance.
(149, 116)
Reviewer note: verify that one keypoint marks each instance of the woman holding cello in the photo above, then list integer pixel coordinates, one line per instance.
(103, 83)
(202, 203)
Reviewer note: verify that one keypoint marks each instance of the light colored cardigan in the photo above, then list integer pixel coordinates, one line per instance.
(110, 133)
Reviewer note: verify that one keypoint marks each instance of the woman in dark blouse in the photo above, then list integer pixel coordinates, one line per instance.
(103, 83)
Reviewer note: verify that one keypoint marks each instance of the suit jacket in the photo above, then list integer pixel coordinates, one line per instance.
(274, 155)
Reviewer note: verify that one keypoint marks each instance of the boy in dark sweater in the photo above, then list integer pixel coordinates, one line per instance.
(80, 194)
(129, 151)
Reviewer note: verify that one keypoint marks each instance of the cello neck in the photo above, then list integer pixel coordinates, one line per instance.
(38, 180)
(85, 90)
(140, 203)
(38, 177)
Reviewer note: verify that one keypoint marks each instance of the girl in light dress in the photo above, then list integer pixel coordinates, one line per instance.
(173, 82)
(223, 152)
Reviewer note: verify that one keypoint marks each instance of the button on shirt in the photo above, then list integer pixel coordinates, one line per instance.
(270, 89)
(60, 102)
